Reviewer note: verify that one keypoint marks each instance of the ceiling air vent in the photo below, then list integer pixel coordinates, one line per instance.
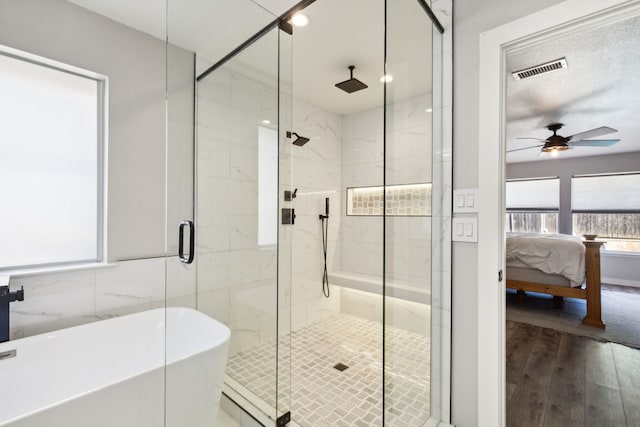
(540, 69)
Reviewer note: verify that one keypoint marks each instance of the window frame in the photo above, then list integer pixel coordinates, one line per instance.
(604, 211)
(532, 210)
(102, 137)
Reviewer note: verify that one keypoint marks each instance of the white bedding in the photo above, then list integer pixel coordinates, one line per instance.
(551, 253)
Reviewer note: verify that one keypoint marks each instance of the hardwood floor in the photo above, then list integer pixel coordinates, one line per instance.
(559, 379)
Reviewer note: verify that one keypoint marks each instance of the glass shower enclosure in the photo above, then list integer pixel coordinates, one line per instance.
(230, 176)
(256, 162)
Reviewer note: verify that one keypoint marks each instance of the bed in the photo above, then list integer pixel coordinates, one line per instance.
(558, 265)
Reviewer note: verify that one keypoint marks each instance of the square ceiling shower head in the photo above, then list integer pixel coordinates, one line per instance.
(351, 85)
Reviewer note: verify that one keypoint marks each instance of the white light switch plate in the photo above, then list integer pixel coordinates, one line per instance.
(464, 229)
(465, 200)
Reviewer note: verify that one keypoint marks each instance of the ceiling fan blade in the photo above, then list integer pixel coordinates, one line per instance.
(594, 143)
(604, 130)
(536, 139)
(526, 148)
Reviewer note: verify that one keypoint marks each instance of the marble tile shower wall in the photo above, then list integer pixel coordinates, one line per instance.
(60, 300)
(408, 150)
(236, 276)
(317, 173)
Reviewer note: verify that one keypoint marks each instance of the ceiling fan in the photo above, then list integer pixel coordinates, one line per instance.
(556, 143)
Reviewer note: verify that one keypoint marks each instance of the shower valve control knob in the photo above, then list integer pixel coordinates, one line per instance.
(19, 295)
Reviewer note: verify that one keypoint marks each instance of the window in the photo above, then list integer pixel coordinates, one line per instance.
(609, 206)
(532, 205)
(51, 162)
(267, 186)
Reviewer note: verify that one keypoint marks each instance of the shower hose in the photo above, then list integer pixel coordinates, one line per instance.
(325, 241)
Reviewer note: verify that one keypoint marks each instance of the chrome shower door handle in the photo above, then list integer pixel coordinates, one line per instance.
(189, 258)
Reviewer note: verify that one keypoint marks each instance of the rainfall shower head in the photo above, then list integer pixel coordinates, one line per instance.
(299, 141)
(351, 85)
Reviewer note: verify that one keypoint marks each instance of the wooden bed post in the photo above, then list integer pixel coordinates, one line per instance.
(592, 265)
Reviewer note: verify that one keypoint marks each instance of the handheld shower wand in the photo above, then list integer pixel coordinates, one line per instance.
(325, 241)
(326, 209)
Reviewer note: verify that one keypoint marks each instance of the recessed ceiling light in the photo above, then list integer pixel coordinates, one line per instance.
(428, 110)
(300, 19)
(266, 122)
(386, 78)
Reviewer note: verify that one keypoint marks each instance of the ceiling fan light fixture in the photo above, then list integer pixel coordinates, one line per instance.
(554, 149)
(556, 143)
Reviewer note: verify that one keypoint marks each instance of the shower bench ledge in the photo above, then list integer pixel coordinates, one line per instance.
(410, 291)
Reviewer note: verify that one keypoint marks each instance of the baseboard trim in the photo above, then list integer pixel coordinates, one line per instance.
(620, 282)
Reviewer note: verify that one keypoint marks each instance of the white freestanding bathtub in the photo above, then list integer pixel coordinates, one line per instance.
(112, 373)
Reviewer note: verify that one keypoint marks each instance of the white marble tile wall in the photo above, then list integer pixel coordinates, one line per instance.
(236, 276)
(408, 151)
(317, 174)
(58, 300)
(342, 151)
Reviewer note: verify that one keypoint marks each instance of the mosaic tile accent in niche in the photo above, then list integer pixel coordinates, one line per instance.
(402, 200)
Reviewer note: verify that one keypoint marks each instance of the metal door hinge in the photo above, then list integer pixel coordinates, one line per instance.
(283, 419)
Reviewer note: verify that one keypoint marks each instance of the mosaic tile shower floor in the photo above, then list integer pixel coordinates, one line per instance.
(324, 396)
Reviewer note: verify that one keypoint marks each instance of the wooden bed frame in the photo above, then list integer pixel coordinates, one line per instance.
(591, 293)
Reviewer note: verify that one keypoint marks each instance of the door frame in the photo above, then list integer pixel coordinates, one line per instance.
(560, 20)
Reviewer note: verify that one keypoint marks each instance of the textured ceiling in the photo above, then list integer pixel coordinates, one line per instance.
(600, 87)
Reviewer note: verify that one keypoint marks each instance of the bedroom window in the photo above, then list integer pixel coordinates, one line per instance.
(51, 163)
(609, 206)
(532, 205)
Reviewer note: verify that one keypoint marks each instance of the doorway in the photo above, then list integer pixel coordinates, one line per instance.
(565, 18)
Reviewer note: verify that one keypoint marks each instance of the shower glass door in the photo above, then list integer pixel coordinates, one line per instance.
(412, 186)
(227, 171)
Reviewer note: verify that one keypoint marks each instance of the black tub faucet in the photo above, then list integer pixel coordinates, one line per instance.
(6, 297)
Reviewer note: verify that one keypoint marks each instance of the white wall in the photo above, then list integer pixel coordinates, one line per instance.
(620, 269)
(135, 64)
(470, 18)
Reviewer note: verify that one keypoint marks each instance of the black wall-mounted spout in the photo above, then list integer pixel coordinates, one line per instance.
(6, 297)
